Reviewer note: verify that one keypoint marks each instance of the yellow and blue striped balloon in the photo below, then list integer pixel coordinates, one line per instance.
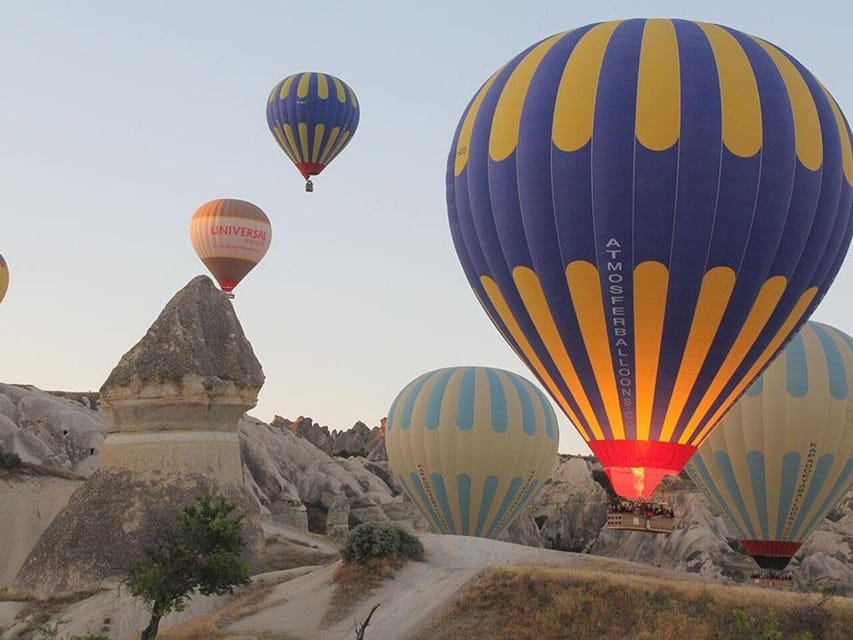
(782, 458)
(313, 116)
(4, 278)
(647, 210)
(471, 446)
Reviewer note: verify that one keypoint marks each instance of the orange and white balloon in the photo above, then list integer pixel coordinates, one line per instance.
(230, 236)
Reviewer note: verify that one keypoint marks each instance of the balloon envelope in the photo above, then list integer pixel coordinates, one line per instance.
(782, 458)
(230, 236)
(4, 278)
(647, 210)
(471, 446)
(313, 116)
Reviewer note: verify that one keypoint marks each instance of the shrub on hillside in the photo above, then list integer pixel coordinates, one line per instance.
(750, 628)
(380, 540)
(9, 461)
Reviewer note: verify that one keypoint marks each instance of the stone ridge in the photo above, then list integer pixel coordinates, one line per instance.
(359, 440)
(111, 518)
(197, 334)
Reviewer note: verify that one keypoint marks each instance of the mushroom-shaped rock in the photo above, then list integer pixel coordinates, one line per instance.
(174, 400)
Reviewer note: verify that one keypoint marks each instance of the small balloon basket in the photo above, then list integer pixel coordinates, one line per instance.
(648, 517)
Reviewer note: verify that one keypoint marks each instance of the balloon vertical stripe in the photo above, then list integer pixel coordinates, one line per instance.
(838, 381)
(658, 87)
(806, 123)
(507, 116)
(740, 101)
(714, 295)
(574, 108)
(755, 465)
(797, 375)
(651, 281)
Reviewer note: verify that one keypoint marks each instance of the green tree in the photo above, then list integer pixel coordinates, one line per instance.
(201, 554)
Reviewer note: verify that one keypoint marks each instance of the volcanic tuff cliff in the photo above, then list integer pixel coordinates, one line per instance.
(296, 483)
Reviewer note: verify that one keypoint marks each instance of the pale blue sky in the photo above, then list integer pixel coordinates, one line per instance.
(118, 119)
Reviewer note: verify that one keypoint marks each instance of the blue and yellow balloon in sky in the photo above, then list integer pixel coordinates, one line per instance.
(782, 458)
(471, 446)
(313, 116)
(647, 210)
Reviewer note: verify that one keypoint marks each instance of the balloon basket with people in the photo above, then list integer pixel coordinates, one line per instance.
(634, 515)
(772, 580)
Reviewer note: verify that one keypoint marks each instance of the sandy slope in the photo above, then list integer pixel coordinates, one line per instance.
(27, 505)
(294, 603)
(416, 595)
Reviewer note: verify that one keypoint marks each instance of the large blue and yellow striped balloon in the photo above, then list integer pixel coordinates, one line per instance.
(313, 116)
(471, 446)
(647, 210)
(782, 458)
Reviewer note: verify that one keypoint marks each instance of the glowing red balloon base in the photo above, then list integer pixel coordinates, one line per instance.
(227, 285)
(771, 554)
(636, 467)
(308, 169)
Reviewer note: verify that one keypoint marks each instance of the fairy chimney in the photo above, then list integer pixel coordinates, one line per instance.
(173, 402)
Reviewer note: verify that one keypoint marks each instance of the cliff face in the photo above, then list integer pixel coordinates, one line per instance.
(294, 482)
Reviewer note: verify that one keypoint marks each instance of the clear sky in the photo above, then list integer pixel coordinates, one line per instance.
(118, 119)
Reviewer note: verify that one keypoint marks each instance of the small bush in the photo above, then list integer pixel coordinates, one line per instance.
(91, 636)
(380, 540)
(9, 461)
(750, 628)
(411, 547)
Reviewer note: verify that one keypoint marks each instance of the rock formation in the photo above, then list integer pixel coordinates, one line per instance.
(299, 486)
(49, 430)
(360, 440)
(172, 408)
(174, 400)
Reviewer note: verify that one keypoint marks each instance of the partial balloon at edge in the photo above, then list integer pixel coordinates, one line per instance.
(471, 446)
(647, 210)
(230, 237)
(782, 458)
(4, 278)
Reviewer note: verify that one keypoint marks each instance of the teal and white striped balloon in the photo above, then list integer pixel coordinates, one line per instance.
(782, 458)
(471, 447)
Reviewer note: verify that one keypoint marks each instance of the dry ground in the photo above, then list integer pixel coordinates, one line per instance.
(471, 588)
(553, 603)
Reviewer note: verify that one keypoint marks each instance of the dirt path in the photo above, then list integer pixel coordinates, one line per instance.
(418, 593)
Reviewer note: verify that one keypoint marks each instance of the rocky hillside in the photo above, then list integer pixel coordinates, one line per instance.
(324, 481)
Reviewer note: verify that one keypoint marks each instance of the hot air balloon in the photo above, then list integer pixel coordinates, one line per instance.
(647, 210)
(313, 116)
(4, 278)
(782, 458)
(230, 236)
(471, 446)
